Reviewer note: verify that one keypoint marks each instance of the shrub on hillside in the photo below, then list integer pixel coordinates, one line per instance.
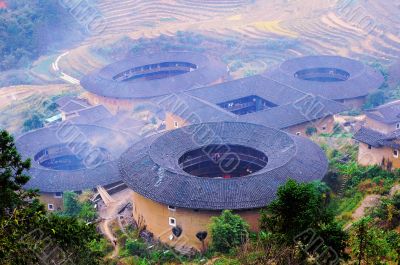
(228, 231)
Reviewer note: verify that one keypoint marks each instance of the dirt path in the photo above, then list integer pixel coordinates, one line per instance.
(106, 230)
(110, 213)
(368, 202)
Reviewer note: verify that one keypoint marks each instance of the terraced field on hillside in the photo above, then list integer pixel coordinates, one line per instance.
(263, 33)
(271, 31)
(131, 15)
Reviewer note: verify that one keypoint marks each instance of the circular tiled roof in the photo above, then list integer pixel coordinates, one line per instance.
(84, 142)
(356, 78)
(101, 82)
(151, 167)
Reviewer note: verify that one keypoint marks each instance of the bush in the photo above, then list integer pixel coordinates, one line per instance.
(135, 247)
(34, 122)
(103, 246)
(162, 256)
(72, 207)
(375, 99)
(228, 231)
(311, 131)
(301, 207)
(226, 261)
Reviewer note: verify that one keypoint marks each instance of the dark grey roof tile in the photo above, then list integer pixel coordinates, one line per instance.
(151, 169)
(362, 79)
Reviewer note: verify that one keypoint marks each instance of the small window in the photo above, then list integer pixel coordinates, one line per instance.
(176, 124)
(298, 133)
(50, 207)
(171, 208)
(396, 153)
(369, 146)
(172, 221)
(398, 126)
(58, 195)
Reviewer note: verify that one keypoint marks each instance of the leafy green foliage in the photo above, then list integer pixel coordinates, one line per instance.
(29, 235)
(87, 212)
(158, 254)
(374, 99)
(15, 246)
(368, 242)
(135, 247)
(26, 30)
(74, 208)
(228, 231)
(101, 246)
(298, 206)
(380, 180)
(301, 207)
(12, 175)
(43, 109)
(34, 122)
(226, 261)
(389, 212)
(311, 131)
(74, 237)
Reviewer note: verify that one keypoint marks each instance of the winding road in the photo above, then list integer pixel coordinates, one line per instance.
(67, 78)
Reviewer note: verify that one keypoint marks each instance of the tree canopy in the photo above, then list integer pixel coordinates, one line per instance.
(27, 28)
(302, 209)
(29, 235)
(12, 175)
(228, 231)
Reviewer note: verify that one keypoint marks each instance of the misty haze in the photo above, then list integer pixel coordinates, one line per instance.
(208, 132)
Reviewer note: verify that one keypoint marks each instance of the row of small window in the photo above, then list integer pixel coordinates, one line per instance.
(50, 206)
(395, 151)
(171, 220)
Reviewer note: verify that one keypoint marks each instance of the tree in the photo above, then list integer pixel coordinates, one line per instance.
(87, 212)
(228, 231)
(27, 30)
(72, 207)
(368, 242)
(12, 175)
(388, 211)
(299, 208)
(28, 234)
(311, 131)
(73, 237)
(375, 99)
(34, 122)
